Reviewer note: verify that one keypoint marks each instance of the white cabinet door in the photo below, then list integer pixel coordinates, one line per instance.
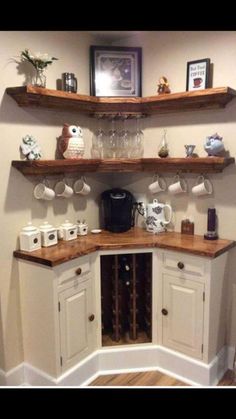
(182, 315)
(76, 324)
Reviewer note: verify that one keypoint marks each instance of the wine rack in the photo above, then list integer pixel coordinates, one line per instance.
(126, 288)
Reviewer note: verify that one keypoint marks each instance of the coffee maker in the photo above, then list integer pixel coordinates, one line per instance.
(117, 210)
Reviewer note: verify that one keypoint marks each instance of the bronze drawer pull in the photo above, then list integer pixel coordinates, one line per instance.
(78, 271)
(164, 312)
(180, 265)
(91, 318)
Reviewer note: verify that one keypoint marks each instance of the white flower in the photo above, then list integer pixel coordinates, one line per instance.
(38, 60)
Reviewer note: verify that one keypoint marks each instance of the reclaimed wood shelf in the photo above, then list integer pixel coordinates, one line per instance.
(32, 96)
(158, 165)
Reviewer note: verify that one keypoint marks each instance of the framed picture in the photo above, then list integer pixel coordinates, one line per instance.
(115, 71)
(198, 74)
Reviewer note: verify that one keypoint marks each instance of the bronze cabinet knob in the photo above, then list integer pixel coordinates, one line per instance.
(180, 265)
(164, 312)
(91, 317)
(78, 271)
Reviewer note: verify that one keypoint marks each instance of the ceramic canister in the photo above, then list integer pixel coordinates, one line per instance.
(30, 238)
(48, 234)
(67, 231)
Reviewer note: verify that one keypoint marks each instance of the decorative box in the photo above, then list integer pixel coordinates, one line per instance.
(30, 238)
(67, 231)
(48, 234)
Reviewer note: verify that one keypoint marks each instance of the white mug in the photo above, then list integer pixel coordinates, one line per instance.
(42, 191)
(158, 185)
(63, 190)
(179, 186)
(81, 187)
(203, 187)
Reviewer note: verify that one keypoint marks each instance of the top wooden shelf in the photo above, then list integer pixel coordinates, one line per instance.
(171, 165)
(175, 102)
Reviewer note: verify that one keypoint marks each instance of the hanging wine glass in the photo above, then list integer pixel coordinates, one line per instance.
(137, 146)
(123, 149)
(111, 141)
(98, 140)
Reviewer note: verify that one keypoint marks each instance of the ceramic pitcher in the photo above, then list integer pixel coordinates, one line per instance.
(155, 216)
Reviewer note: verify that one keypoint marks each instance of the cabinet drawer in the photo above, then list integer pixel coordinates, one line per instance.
(183, 263)
(77, 270)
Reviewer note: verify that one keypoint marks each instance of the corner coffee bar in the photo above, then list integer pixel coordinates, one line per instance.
(125, 256)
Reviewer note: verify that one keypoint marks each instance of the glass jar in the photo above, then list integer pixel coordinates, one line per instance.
(69, 82)
(39, 78)
(163, 150)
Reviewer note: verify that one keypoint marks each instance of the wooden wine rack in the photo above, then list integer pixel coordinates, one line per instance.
(126, 284)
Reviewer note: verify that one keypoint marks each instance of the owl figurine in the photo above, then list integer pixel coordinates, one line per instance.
(71, 143)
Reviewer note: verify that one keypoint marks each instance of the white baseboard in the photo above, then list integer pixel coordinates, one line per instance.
(230, 360)
(80, 374)
(170, 362)
(36, 377)
(2, 378)
(14, 377)
(126, 359)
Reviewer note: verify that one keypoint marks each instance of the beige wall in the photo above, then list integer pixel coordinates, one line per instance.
(17, 205)
(164, 53)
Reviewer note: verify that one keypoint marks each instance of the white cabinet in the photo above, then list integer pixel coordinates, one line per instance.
(191, 303)
(183, 315)
(76, 328)
(58, 314)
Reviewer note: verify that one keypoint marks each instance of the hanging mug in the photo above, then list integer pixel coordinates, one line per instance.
(203, 187)
(158, 185)
(179, 186)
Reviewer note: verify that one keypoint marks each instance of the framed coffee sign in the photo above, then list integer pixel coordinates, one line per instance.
(198, 74)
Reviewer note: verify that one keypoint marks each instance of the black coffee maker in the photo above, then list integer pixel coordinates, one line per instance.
(118, 210)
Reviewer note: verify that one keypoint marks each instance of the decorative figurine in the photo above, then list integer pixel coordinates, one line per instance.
(214, 145)
(30, 148)
(163, 86)
(71, 143)
(163, 152)
(189, 149)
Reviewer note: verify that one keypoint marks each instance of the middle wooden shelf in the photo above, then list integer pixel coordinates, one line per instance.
(169, 164)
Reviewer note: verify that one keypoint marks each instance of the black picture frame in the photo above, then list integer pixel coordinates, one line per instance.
(198, 74)
(115, 71)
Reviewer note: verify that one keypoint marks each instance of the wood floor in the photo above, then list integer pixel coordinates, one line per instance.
(151, 378)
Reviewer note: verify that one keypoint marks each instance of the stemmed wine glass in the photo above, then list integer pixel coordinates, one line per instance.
(123, 150)
(98, 140)
(137, 146)
(111, 141)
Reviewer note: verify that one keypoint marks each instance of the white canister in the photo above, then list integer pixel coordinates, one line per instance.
(67, 231)
(82, 228)
(30, 238)
(48, 234)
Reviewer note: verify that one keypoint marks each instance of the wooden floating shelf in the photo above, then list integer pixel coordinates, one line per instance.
(92, 105)
(169, 164)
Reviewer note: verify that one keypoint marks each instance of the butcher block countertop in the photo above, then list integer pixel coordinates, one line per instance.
(135, 238)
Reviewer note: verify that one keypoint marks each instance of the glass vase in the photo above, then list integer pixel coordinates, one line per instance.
(39, 78)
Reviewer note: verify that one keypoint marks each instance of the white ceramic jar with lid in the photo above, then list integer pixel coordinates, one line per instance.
(30, 238)
(48, 234)
(67, 231)
(82, 228)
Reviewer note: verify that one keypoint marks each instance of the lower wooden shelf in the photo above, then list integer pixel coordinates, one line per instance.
(169, 164)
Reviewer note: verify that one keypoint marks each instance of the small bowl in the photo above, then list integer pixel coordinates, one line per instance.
(96, 231)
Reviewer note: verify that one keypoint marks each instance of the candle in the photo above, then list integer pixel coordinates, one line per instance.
(211, 221)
